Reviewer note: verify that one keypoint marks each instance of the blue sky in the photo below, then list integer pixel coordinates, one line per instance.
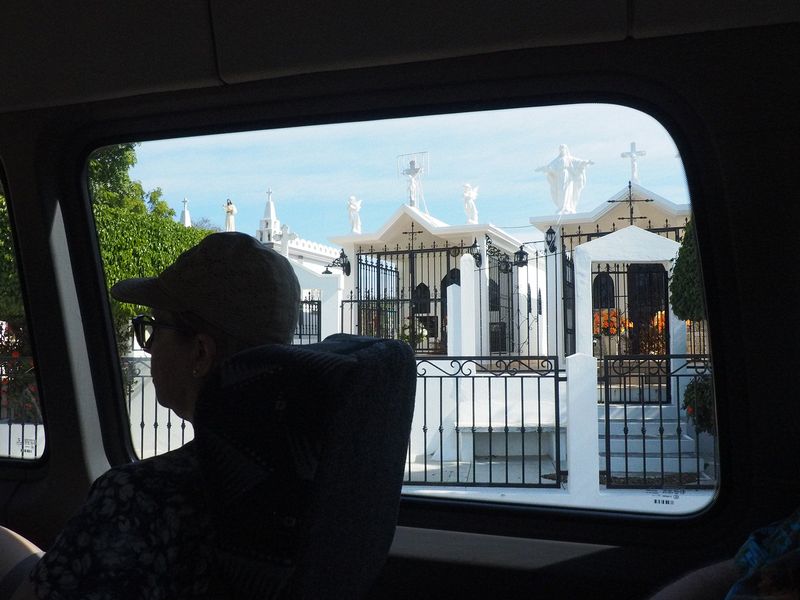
(313, 170)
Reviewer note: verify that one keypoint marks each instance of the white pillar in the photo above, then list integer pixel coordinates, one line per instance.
(582, 436)
(470, 317)
(555, 306)
(329, 307)
(583, 300)
(677, 345)
(454, 320)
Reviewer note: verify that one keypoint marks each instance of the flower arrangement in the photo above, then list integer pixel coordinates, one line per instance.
(607, 321)
(413, 335)
(698, 402)
(658, 321)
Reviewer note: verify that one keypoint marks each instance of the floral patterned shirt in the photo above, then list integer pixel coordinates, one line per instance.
(143, 533)
(769, 562)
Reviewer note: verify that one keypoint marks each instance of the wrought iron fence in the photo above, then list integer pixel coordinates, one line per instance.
(697, 337)
(396, 319)
(21, 430)
(308, 330)
(487, 421)
(659, 422)
(479, 421)
(570, 240)
(154, 428)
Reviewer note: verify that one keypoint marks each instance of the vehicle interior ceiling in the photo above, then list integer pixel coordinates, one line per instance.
(76, 77)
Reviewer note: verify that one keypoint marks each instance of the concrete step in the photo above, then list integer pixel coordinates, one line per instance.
(633, 411)
(649, 444)
(638, 463)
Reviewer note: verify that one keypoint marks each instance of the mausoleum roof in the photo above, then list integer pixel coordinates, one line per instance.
(638, 193)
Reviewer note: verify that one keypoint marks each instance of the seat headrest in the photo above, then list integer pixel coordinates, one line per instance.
(272, 427)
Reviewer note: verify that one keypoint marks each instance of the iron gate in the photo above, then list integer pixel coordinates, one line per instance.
(402, 294)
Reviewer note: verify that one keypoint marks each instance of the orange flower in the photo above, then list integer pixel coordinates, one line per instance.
(659, 320)
(609, 322)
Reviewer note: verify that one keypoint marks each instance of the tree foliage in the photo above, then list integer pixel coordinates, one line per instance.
(137, 245)
(686, 288)
(136, 231)
(12, 337)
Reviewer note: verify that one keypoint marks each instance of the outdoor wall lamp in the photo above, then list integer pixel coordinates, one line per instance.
(520, 258)
(475, 253)
(550, 239)
(342, 262)
(504, 265)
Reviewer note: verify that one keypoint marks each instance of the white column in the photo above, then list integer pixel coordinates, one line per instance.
(555, 305)
(331, 288)
(677, 345)
(582, 435)
(454, 320)
(583, 300)
(470, 317)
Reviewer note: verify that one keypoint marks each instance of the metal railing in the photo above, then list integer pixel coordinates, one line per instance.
(21, 429)
(487, 421)
(154, 428)
(659, 423)
(479, 421)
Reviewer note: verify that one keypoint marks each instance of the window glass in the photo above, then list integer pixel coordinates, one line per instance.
(437, 231)
(21, 428)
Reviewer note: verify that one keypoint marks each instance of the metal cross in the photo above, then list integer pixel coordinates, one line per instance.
(411, 234)
(630, 200)
(633, 154)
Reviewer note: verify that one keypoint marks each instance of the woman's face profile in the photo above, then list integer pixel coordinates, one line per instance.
(171, 367)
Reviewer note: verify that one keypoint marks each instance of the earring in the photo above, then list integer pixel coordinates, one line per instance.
(194, 372)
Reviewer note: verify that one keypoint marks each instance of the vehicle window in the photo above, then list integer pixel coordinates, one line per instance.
(22, 433)
(540, 261)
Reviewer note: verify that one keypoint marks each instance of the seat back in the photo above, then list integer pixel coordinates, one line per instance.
(303, 449)
(18, 556)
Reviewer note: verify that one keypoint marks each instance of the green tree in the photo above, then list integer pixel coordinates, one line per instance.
(137, 245)
(10, 296)
(136, 231)
(686, 287)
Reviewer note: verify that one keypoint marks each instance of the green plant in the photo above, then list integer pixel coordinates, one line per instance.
(698, 402)
(686, 284)
(413, 335)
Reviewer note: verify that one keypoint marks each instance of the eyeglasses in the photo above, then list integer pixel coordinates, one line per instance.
(143, 328)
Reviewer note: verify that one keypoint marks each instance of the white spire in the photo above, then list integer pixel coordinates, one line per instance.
(269, 229)
(185, 218)
(269, 211)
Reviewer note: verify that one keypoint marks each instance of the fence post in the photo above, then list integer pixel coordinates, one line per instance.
(470, 319)
(454, 320)
(582, 435)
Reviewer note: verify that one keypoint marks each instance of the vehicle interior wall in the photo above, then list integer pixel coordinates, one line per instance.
(724, 96)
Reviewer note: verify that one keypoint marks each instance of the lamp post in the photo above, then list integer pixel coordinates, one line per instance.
(475, 252)
(550, 239)
(520, 257)
(342, 262)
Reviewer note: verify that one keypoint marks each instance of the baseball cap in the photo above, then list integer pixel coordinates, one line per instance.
(231, 281)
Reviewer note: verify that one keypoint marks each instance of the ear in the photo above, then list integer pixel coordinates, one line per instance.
(204, 354)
